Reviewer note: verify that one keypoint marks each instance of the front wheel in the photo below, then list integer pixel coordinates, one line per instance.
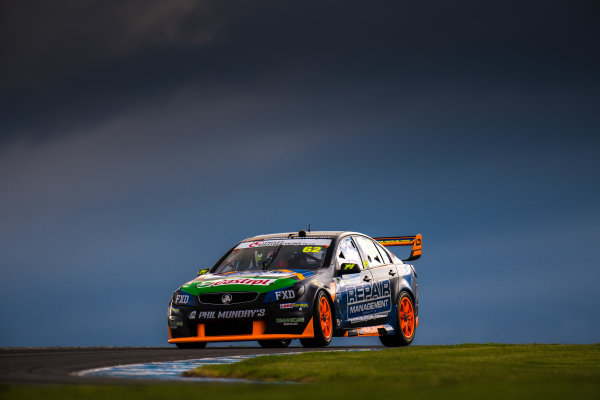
(274, 344)
(322, 323)
(405, 324)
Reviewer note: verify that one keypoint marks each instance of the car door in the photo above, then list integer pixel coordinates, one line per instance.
(352, 285)
(385, 278)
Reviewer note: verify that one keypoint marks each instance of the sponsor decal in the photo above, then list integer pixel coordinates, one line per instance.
(286, 242)
(207, 314)
(300, 305)
(174, 310)
(290, 321)
(286, 305)
(257, 313)
(285, 295)
(366, 299)
(238, 281)
(395, 242)
(202, 272)
(367, 317)
(182, 299)
(175, 324)
(192, 315)
(242, 313)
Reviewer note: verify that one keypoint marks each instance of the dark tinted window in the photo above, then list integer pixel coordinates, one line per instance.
(276, 254)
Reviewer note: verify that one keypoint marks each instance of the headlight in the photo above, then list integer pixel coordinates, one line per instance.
(173, 312)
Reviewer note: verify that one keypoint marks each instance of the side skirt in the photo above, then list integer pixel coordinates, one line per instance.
(376, 330)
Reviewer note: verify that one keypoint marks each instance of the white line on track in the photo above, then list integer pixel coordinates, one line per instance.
(172, 370)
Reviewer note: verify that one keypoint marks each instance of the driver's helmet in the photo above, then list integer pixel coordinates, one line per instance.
(297, 260)
(258, 258)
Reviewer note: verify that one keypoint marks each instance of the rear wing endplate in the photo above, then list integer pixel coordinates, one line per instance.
(414, 241)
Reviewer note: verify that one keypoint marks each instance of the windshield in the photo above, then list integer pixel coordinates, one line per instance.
(265, 255)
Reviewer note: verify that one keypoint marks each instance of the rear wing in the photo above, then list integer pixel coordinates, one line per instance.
(414, 241)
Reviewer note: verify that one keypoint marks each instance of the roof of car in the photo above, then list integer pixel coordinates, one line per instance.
(313, 234)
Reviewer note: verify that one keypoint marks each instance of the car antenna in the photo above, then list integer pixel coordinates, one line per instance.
(309, 227)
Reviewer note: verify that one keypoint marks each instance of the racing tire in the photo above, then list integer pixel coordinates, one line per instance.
(322, 322)
(405, 324)
(275, 344)
(196, 345)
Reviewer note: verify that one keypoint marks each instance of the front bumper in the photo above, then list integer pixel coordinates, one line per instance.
(253, 321)
(258, 333)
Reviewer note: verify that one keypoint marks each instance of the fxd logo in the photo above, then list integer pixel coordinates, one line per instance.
(285, 295)
(182, 299)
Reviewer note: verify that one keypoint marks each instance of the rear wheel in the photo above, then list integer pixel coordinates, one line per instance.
(322, 323)
(195, 345)
(405, 325)
(273, 344)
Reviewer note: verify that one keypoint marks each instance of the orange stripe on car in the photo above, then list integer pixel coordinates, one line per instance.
(300, 276)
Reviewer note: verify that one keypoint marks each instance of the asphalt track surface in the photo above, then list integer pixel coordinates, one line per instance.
(56, 365)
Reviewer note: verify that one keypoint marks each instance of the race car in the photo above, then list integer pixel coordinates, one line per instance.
(303, 285)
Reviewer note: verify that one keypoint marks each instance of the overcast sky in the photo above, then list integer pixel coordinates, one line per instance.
(142, 139)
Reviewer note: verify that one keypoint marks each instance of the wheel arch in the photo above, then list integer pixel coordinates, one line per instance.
(406, 286)
(412, 297)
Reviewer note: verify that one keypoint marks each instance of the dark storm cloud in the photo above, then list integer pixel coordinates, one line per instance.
(66, 64)
(140, 140)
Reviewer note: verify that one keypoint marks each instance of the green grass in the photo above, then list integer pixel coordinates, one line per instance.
(471, 371)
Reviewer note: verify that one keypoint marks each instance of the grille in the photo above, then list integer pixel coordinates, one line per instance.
(236, 297)
(225, 328)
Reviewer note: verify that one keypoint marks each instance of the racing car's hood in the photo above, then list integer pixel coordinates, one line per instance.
(255, 281)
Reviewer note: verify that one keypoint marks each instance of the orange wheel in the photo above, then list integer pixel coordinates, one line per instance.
(405, 326)
(325, 317)
(406, 316)
(323, 322)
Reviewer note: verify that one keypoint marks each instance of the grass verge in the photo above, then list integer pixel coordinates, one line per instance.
(471, 371)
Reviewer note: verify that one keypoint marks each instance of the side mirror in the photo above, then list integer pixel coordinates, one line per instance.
(202, 271)
(349, 268)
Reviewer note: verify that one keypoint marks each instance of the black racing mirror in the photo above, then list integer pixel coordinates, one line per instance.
(202, 271)
(349, 268)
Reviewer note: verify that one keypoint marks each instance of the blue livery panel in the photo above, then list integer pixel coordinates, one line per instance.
(367, 299)
(361, 301)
